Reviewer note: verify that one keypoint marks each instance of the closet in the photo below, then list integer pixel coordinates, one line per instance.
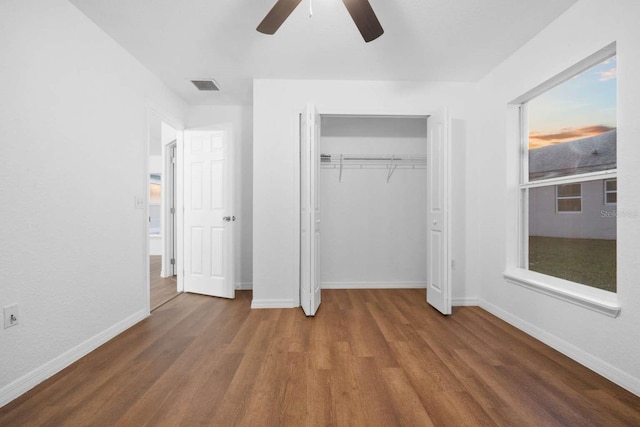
(373, 192)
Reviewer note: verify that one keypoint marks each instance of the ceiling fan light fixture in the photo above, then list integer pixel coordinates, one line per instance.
(365, 19)
(206, 84)
(360, 10)
(277, 15)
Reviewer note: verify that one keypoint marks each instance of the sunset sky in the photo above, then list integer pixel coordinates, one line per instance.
(583, 106)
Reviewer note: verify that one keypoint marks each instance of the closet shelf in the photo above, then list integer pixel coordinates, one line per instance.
(391, 162)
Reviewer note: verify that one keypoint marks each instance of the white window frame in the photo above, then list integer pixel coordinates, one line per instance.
(606, 192)
(517, 271)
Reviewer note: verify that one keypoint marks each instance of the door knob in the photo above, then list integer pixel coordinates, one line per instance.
(226, 218)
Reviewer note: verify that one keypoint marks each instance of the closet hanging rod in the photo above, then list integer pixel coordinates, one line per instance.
(390, 162)
(385, 158)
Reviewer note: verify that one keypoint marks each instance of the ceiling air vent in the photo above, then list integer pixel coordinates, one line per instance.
(208, 84)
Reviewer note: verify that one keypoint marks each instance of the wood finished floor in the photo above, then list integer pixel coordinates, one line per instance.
(369, 358)
(161, 289)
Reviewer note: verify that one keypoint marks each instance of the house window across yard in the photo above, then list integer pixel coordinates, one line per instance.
(610, 191)
(568, 181)
(569, 198)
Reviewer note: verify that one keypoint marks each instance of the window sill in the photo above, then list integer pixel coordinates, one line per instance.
(597, 300)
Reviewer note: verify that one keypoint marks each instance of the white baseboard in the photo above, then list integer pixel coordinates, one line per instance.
(273, 303)
(373, 285)
(597, 365)
(28, 381)
(244, 286)
(465, 302)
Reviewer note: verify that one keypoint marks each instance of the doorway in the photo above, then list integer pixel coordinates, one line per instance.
(382, 182)
(161, 204)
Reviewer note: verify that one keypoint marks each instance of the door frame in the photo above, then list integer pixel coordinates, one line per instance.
(169, 229)
(297, 129)
(156, 113)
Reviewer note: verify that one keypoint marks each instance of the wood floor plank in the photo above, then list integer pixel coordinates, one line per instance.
(408, 408)
(317, 396)
(365, 338)
(374, 394)
(620, 411)
(370, 357)
(232, 407)
(200, 394)
(161, 289)
(512, 393)
(293, 399)
(345, 388)
(428, 372)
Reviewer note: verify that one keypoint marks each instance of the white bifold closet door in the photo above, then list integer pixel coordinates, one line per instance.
(208, 216)
(438, 212)
(310, 293)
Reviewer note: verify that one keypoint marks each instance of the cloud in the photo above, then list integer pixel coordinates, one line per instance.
(608, 75)
(537, 139)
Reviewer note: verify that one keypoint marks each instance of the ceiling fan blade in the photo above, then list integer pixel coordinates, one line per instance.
(365, 18)
(277, 15)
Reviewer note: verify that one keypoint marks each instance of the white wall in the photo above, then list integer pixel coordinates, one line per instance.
(276, 106)
(374, 232)
(610, 346)
(240, 118)
(73, 126)
(167, 135)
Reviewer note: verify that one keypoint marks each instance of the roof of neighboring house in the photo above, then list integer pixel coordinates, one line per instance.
(591, 154)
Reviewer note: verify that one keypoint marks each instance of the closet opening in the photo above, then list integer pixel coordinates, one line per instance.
(373, 193)
(375, 205)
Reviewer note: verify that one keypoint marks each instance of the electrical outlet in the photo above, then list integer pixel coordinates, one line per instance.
(11, 317)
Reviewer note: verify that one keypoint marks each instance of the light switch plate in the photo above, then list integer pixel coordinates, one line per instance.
(11, 317)
(140, 202)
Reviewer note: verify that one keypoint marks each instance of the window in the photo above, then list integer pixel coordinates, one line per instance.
(568, 177)
(155, 191)
(610, 192)
(569, 198)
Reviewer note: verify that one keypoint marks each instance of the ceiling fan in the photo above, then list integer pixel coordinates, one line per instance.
(360, 10)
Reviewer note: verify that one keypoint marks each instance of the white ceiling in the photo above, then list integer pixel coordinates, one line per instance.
(441, 40)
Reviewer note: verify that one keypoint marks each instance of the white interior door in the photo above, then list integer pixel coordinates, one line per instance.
(208, 215)
(310, 293)
(438, 213)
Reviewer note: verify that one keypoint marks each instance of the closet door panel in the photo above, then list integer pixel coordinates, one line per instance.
(438, 212)
(310, 292)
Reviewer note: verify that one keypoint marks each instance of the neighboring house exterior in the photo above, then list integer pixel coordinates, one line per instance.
(584, 210)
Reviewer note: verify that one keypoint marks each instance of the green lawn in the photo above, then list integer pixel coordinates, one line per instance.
(588, 261)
